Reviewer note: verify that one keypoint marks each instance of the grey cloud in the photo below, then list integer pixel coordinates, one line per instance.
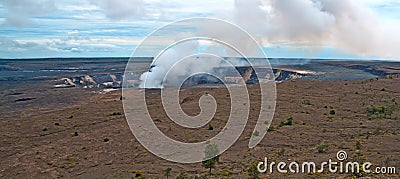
(64, 45)
(19, 12)
(121, 9)
(15, 46)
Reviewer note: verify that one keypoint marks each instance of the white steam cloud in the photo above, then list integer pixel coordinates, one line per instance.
(155, 76)
(179, 62)
(343, 24)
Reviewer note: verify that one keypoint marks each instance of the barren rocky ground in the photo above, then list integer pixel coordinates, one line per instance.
(75, 133)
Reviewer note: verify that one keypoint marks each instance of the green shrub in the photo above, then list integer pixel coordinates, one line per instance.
(288, 122)
(74, 134)
(210, 127)
(138, 173)
(322, 148)
(307, 102)
(271, 128)
(167, 172)
(380, 112)
(358, 145)
(224, 173)
(252, 171)
(116, 114)
(281, 152)
(181, 175)
(256, 133)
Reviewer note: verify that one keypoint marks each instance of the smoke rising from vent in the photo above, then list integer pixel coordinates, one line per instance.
(183, 60)
(155, 76)
(170, 61)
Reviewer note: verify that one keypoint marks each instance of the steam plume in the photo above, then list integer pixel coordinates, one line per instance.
(343, 24)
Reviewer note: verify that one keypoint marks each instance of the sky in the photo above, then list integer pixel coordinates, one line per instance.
(356, 29)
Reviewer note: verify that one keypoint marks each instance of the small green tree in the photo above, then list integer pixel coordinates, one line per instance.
(211, 157)
(210, 163)
(167, 172)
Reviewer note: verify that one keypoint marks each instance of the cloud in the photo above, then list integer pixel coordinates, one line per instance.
(344, 24)
(363, 27)
(121, 9)
(19, 12)
(63, 45)
(9, 45)
(78, 44)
